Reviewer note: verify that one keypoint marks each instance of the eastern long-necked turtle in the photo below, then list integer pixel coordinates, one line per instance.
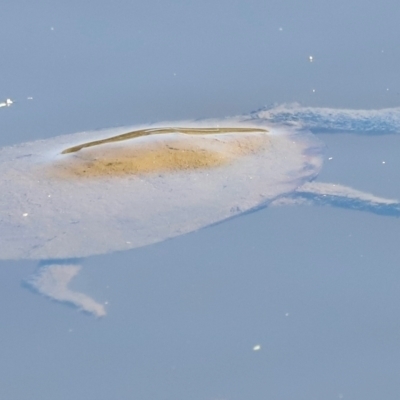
(90, 193)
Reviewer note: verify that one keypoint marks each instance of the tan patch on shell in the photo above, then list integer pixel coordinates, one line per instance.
(168, 153)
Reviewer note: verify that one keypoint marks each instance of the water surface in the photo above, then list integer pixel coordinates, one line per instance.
(316, 288)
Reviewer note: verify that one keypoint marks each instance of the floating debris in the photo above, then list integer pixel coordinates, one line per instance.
(6, 103)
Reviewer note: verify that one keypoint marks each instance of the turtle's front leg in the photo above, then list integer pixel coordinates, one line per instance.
(52, 280)
(345, 197)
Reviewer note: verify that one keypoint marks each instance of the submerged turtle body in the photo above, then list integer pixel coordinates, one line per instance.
(92, 193)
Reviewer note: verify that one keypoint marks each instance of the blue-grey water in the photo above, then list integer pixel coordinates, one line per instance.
(316, 287)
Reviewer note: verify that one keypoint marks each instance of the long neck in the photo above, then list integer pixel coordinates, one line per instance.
(319, 120)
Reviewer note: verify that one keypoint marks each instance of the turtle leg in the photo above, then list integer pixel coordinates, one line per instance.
(342, 196)
(52, 280)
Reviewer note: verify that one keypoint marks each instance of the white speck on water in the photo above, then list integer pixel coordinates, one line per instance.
(25, 214)
(29, 98)
(310, 58)
(257, 347)
(287, 314)
(313, 90)
(280, 29)
(6, 103)
(330, 158)
(383, 162)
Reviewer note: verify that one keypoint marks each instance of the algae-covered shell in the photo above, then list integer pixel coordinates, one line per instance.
(98, 192)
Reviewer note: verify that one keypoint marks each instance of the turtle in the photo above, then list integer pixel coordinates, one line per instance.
(73, 196)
